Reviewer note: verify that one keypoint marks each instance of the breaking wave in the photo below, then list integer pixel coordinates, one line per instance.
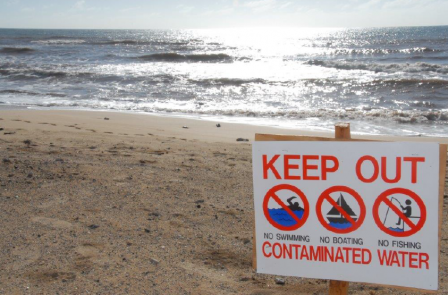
(387, 68)
(383, 51)
(40, 73)
(410, 82)
(59, 41)
(228, 82)
(25, 92)
(176, 57)
(405, 117)
(16, 50)
(68, 40)
(140, 42)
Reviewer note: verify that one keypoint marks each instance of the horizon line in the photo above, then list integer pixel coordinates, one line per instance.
(224, 28)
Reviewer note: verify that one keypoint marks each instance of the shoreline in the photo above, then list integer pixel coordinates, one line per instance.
(122, 123)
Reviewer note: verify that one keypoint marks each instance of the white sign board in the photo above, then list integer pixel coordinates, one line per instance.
(349, 211)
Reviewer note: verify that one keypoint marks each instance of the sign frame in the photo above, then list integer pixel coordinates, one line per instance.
(342, 133)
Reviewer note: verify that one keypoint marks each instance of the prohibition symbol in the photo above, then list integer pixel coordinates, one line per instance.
(287, 215)
(402, 208)
(341, 218)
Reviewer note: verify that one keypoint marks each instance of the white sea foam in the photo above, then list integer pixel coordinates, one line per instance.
(59, 41)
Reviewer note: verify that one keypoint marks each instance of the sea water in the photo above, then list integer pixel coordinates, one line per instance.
(382, 80)
(282, 217)
(397, 229)
(343, 225)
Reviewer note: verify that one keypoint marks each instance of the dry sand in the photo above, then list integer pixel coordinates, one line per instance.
(135, 204)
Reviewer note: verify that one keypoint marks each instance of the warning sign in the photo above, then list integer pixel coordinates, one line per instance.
(349, 211)
(342, 217)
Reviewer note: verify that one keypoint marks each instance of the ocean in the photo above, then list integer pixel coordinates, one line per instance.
(390, 81)
(280, 216)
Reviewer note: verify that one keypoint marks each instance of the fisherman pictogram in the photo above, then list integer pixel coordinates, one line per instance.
(407, 211)
(399, 212)
(390, 217)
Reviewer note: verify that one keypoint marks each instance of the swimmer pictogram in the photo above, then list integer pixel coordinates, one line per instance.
(286, 213)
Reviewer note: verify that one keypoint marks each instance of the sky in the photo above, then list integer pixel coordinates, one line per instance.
(178, 14)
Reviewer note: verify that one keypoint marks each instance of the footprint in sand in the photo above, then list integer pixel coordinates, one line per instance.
(52, 222)
(45, 123)
(27, 253)
(53, 202)
(50, 276)
(89, 250)
(87, 255)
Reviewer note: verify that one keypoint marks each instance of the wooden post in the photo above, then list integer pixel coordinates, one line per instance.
(338, 287)
(342, 132)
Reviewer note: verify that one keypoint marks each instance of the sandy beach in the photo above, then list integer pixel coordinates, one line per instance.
(116, 203)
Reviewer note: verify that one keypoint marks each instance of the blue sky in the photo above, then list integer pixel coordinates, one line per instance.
(166, 14)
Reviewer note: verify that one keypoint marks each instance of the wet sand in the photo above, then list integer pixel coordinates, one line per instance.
(112, 203)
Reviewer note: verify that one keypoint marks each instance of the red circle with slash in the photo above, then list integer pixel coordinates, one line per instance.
(413, 227)
(271, 194)
(325, 196)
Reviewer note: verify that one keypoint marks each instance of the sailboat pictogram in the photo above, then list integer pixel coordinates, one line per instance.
(339, 218)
